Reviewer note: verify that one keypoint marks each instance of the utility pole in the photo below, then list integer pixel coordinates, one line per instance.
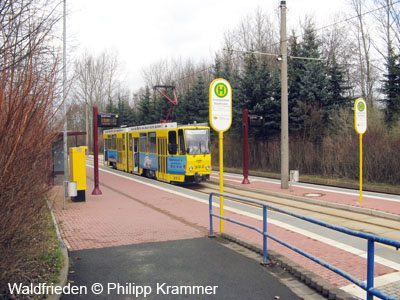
(87, 124)
(96, 190)
(65, 135)
(284, 103)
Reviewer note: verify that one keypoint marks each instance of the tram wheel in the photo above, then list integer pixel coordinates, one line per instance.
(150, 174)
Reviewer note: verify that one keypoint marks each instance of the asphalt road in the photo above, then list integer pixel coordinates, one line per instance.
(187, 269)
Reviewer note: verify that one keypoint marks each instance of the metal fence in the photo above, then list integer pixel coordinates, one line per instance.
(371, 239)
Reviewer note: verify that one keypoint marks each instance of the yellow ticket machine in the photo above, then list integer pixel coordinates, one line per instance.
(77, 171)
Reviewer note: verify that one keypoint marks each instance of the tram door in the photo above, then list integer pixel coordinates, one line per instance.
(162, 158)
(135, 154)
(128, 153)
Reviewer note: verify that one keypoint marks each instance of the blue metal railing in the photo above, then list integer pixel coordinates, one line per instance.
(368, 287)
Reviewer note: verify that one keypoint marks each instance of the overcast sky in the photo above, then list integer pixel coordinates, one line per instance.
(143, 32)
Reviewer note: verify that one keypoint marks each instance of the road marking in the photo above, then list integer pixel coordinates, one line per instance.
(328, 241)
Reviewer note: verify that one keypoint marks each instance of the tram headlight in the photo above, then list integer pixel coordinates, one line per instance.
(190, 168)
(207, 167)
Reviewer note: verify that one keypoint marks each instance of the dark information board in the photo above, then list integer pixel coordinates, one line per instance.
(256, 121)
(108, 120)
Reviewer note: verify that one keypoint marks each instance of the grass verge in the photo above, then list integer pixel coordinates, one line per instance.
(45, 266)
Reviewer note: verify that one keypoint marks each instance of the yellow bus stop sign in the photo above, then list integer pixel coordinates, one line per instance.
(360, 125)
(220, 105)
(221, 120)
(360, 116)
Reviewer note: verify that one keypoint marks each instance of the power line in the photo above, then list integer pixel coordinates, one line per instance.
(301, 35)
(276, 55)
(349, 19)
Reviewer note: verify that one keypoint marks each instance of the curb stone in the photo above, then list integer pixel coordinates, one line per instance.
(309, 278)
(63, 277)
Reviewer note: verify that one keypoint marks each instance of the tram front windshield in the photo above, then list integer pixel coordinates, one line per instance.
(197, 141)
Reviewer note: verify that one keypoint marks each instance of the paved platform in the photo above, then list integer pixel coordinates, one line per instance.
(186, 269)
(130, 212)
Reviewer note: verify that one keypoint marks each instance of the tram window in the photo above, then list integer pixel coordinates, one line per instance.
(197, 141)
(181, 140)
(114, 142)
(123, 142)
(130, 142)
(143, 142)
(172, 145)
(152, 142)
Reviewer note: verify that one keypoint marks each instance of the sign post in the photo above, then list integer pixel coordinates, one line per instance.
(360, 125)
(220, 121)
(96, 190)
(245, 138)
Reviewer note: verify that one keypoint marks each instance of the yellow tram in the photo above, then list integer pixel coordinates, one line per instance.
(165, 151)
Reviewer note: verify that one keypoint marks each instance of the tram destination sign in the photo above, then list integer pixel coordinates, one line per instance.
(108, 120)
(220, 105)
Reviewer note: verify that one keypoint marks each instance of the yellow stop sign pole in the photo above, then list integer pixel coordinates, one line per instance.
(360, 125)
(221, 120)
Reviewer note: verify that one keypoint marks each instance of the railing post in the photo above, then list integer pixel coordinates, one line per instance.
(265, 254)
(370, 268)
(211, 235)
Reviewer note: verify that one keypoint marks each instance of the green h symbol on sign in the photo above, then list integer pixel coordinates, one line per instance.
(221, 90)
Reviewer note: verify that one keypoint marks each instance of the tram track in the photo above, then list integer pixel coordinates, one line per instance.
(355, 218)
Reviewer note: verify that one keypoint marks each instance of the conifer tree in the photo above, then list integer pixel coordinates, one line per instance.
(237, 102)
(145, 108)
(337, 87)
(125, 112)
(194, 106)
(308, 86)
(201, 100)
(110, 107)
(217, 68)
(250, 88)
(295, 70)
(391, 89)
(272, 109)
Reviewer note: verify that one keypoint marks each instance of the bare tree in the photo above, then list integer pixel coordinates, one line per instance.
(387, 16)
(258, 32)
(96, 78)
(364, 40)
(339, 45)
(95, 82)
(26, 26)
(178, 72)
(29, 89)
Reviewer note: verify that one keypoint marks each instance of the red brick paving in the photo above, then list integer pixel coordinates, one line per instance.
(146, 214)
(112, 219)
